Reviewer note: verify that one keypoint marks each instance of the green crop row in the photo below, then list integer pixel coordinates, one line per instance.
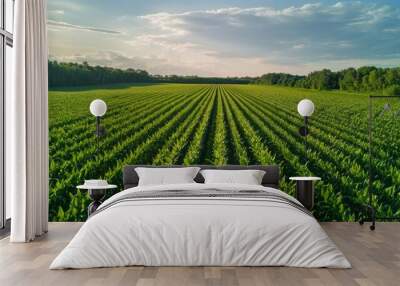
(188, 124)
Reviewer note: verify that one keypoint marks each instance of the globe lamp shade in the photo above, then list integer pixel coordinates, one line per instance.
(98, 107)
(305, 108)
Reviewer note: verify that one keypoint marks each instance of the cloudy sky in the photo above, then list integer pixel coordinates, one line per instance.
(225, 38)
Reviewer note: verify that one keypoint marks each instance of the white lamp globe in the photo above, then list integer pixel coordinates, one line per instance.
(98, 107)
(305, 108)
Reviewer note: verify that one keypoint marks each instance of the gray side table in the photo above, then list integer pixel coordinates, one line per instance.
(305, 190)
(97, 194)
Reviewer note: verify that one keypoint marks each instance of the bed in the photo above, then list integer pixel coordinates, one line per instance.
(197, 224)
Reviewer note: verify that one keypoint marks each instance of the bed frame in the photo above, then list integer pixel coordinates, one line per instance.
(271, 177)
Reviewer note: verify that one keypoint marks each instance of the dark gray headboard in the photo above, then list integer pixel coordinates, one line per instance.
(271, 177)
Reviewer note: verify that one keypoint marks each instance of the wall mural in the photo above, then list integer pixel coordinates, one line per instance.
(218, 82)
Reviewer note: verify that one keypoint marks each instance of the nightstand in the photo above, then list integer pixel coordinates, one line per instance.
(97, 194)
(305, 190)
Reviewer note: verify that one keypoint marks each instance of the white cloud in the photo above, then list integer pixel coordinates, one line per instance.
(299, 46)
(167, 23)
(242, 41)
(56, 12)
(311, 33)
(60, 24)
(392, 30)
(152, 64)
(66, 5)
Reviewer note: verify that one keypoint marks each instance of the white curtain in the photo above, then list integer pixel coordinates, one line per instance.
(27, 124)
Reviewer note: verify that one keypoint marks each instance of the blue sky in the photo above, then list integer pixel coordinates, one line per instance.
(225, 38)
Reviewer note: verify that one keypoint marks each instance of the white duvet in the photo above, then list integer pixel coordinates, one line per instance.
(202, 232)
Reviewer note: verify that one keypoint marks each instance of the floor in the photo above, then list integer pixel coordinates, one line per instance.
(375, 257)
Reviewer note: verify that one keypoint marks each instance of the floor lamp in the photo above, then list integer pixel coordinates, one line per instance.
(306, 109)
(369, 207)
(98, 108)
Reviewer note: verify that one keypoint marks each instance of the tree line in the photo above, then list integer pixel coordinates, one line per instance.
(75, 74)
(197, 79)
(364, 79)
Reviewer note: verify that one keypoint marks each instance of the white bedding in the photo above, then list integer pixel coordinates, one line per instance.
(200, 231)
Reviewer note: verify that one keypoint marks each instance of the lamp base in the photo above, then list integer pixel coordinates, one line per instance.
(371, 217)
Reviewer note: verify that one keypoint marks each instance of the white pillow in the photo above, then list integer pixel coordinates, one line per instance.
(166, 176)
(248, 177)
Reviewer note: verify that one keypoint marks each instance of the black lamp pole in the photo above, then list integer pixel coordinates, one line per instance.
(303, 131)
(305, 136)
(98, 133)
